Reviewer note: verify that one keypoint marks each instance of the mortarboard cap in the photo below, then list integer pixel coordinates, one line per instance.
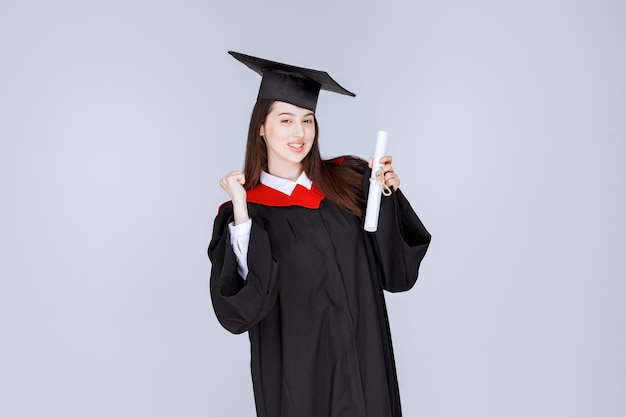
(295, 85)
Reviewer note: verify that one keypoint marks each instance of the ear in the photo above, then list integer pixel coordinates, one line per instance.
(262, 131)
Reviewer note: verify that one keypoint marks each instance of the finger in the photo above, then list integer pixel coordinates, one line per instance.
(393, 185)
(386, 160)
(390, 178)
(387, 168)
(370, 162)
(235, 176)
(239, 177)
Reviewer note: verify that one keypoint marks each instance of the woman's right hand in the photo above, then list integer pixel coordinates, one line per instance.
(233, 185)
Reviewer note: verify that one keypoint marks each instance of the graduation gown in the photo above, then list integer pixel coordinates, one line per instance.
(313, 302)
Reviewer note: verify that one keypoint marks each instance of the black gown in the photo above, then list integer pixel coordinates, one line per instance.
(313, 301)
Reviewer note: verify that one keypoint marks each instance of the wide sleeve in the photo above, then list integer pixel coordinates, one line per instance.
(401, 242)
(240, 304)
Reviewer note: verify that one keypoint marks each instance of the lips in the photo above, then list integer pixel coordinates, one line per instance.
(296, 147)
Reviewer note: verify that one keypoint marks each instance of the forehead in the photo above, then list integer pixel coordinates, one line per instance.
(280, 107)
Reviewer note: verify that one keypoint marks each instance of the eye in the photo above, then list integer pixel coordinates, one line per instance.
(309, 121)
(285, 121)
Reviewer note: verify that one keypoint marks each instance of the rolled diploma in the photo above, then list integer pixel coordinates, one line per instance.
(373, 198)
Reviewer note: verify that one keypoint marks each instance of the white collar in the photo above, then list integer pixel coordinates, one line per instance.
(283, 185)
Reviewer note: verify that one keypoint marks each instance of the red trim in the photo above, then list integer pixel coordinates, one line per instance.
(301, 196)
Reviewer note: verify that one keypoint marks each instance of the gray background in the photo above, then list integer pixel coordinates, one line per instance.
(507, 124)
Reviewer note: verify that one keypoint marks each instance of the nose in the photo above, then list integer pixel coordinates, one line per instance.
(298, 130)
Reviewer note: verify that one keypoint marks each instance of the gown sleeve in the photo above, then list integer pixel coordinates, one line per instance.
(401, 241)
(240, 304)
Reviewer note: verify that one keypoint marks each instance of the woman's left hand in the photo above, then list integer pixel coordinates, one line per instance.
(391, 178)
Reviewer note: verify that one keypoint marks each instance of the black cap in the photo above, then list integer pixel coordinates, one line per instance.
(295, 85)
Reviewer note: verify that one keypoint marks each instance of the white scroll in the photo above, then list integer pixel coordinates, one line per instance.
(373, 198)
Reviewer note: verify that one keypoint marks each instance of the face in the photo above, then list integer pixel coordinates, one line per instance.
(289, 132)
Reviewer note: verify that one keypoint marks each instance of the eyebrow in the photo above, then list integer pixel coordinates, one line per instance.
(292, 114)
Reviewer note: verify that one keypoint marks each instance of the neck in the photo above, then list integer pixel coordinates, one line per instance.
(288, 172)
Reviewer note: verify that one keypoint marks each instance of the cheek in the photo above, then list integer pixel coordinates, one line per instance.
(311, 132)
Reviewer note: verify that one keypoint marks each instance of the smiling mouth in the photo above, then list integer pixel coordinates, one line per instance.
(296, 145)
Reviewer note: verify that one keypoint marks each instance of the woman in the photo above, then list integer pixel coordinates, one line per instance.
(293, 266)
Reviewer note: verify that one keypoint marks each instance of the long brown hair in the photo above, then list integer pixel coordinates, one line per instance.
(339, 179)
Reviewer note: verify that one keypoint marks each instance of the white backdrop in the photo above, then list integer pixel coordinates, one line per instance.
(507, 122)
